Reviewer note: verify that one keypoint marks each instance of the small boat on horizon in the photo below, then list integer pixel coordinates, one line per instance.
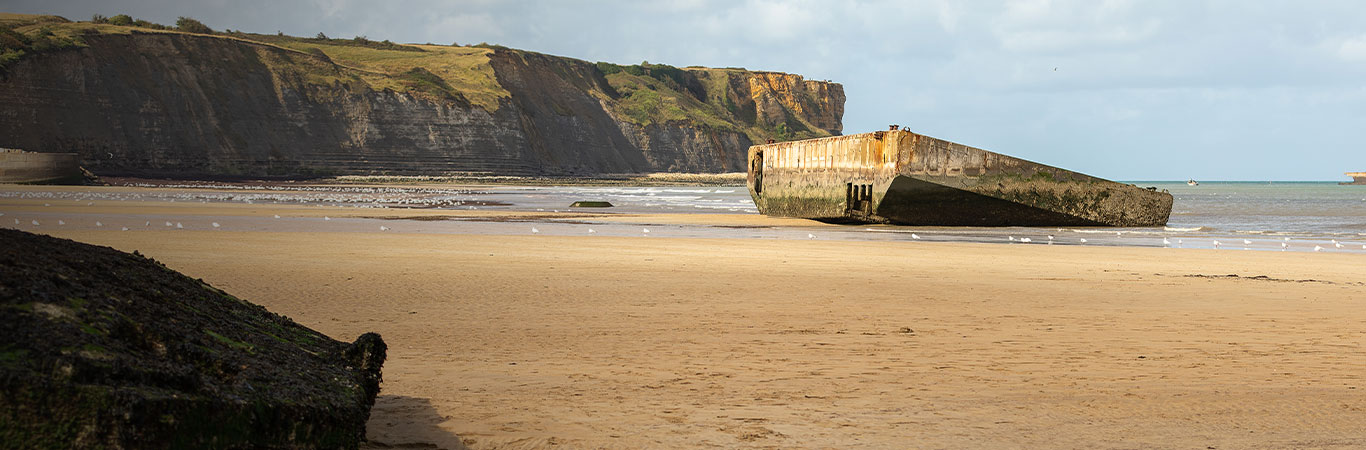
(1192, 182)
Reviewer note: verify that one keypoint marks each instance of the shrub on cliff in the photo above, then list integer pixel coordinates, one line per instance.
(189, 25)
(122, 20)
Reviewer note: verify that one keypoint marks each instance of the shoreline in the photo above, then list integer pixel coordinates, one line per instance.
(535, 341)
(520, 329)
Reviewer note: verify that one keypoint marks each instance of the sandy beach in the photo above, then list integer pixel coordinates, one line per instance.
(526, 340)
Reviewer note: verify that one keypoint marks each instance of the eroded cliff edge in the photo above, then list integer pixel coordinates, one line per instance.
(158, 103)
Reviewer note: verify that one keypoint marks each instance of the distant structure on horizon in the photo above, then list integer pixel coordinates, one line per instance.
(1357, 178)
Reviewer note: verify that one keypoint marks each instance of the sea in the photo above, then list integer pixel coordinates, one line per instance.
(1244, 215)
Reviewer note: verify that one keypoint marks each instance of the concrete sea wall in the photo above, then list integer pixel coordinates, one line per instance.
(902, 177)
(41, 168)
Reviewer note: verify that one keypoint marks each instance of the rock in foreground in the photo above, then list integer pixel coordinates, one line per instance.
(105, 349)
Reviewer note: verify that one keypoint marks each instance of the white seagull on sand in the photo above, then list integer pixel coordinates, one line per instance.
(98, 224)
(534, 230)
(591, 231)
(1318, 248)
(645, 230)
(1083, 240)
(915, 236)
(1216, 244)
(383, 228)
(1166, 242)
(1247, 242)
(215, 225)
(810, 236)
(1026, 240)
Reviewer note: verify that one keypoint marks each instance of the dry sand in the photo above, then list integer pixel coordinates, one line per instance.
(533, 341)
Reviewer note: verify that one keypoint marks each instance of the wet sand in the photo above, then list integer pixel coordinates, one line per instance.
(525, 341)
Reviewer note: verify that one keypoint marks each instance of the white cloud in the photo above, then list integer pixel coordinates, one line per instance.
(1353, 49)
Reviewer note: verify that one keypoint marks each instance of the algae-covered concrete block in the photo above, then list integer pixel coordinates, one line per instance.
(906, 178)
(104, 349)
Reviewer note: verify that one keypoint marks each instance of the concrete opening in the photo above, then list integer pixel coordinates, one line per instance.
(858, 200)
(758, 171)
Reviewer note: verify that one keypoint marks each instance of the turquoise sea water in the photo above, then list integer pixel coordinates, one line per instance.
(1297, 209)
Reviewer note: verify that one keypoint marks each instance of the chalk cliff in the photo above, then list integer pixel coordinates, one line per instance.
(131, 101)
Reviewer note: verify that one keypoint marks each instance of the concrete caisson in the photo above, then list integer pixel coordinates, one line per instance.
(17, 166)
(906, 178)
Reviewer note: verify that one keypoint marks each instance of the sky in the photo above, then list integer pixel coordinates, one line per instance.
(1127, 90)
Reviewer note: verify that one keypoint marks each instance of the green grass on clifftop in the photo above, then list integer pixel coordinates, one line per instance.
(645, 94)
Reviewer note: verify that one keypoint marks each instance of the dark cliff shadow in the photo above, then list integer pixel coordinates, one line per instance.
(399, 422)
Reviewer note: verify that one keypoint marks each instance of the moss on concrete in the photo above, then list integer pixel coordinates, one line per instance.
(110, 350)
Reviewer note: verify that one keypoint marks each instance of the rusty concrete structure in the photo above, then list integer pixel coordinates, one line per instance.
(906, 178)
(1357, 178)
(21, 167)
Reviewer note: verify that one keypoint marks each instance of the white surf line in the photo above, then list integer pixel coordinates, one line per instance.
(893, 231)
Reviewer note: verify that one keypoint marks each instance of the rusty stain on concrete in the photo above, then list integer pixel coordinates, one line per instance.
(902, 177)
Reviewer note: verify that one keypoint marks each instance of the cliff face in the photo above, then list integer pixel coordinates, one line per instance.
(175, 104)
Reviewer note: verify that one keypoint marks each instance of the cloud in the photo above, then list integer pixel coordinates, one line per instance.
(1353, 49)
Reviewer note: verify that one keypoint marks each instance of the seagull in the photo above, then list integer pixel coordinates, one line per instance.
(1284, 246)
(810, 236)
(1247, 242)
(178, 225)
(327, 218)
(1050, 239)
(61, 222)
(1165, 241)
(1026, 240)
(168, 223)
(1216, 244)
(591, 231)
(277, 216)
(1083, 240)
(215, 224)
(534, 230)
(148, 224)
(383, 228)
(1012, 238)
(1318, 248)
(645, 230)
(35, 223)
(1286, 238)
(125, 228)
(1180, 242)
(98, 224)
(1337, 244)
(915, 236)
